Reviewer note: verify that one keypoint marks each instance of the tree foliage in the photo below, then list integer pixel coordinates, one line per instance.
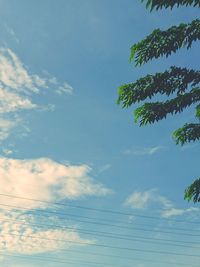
(159, 4)
(160, 43)
(179, 85)
(192, 192)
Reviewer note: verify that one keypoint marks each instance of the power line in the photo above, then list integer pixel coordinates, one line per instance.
(109, 246)
(106, 234)
(83, 263)
(125, 258)
(100, 254)
(98, 210)
(122, 227)
(122, 224)
(63, 261)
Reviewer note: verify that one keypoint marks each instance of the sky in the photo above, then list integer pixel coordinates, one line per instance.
(80, 182)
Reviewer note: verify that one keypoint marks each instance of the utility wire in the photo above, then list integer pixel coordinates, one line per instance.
(127, 227)
(120, 257)
(71, 261)
(122, 224)
(125, 257)
(98, 210)
(104, 234)
(108, 246)
(60, 261)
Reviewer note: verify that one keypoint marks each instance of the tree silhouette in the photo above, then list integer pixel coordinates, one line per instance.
(179, 85)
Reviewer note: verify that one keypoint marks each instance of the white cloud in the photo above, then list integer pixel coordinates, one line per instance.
(64, 89)
(10, 102)
(140, 200)
(7, 151)
(143, 151)
(46, 180)
(151, 198)
(19, 235)
(17, 85)
(6, 127)
(177, 212)
(14, 75)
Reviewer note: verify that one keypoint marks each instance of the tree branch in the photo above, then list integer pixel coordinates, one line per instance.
(160, 43)
(189, 132)
(155, 111)
(175, 79)
(159, 4)
(193, 191)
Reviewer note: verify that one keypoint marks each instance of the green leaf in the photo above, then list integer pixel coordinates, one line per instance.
(193, 191)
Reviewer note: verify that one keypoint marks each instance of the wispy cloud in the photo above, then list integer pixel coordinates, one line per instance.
(14, 75)
(104, 168)
(10, 102)
(140, 200)
(189, 146)
(177, 212)
(7, 151)
(17, 85)
(20, 235)
(6, 126)
(12, 33)
(65, 89)
(143, 151)
(151, 198)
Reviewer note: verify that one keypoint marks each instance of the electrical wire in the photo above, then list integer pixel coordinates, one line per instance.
(95, 209)
(60, 261)
(108, 246)
(122, 224)
(104, 234)
(127, 227)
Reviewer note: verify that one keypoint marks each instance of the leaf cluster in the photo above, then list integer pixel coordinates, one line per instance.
(155, 111)
(159, 4)
(188, 133)
(193, 191)
(175, 79)
(160, 43)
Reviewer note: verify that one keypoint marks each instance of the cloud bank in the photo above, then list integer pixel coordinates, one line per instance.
(18, 235)
(152, 199)
(46, 180)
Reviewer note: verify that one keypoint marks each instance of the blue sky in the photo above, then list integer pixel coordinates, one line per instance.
(64, 139)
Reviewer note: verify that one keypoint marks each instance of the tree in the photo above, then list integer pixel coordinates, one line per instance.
(179, 85)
